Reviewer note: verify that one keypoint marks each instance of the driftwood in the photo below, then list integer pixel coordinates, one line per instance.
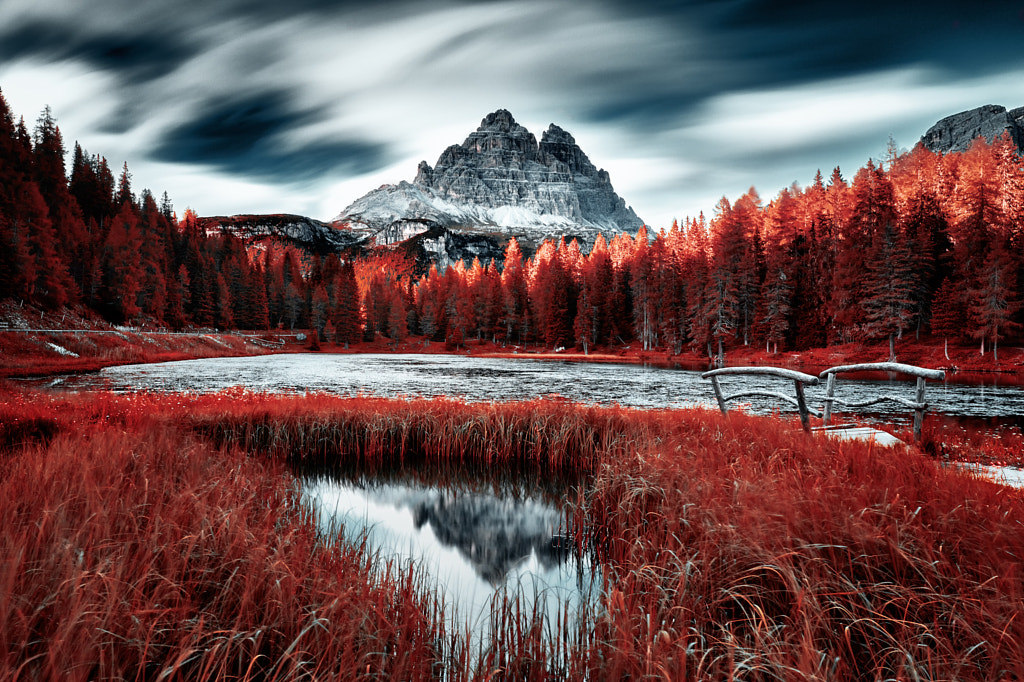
(918, 405)
(798, 379)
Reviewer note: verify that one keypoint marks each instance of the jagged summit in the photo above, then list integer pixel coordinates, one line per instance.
(502, 182)
(955, 133)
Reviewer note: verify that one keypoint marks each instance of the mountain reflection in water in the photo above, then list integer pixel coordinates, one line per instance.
(493, 534)
(474, 543)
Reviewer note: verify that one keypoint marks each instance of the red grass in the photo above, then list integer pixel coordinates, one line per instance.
(145, 554)
(733, 547)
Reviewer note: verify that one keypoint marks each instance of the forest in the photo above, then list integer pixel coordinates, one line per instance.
(917, 243)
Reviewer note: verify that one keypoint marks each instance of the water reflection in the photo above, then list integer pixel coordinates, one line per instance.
(475, 544)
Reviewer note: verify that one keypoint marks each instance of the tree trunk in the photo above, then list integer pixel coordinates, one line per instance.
(892, 348)
(945, 348)
(721, 353)
(995, 351)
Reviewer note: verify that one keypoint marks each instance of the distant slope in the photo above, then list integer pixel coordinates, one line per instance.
(309, 234)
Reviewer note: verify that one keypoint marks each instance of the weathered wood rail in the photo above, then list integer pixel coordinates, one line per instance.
(800, 379)
(918, 405)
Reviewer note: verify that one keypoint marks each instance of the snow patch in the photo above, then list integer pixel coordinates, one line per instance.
(1006, 475)
(62, 350)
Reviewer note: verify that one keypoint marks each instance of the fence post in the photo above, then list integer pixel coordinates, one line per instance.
(919, 413)
(830, 394)
(801, 403)
(718, 395)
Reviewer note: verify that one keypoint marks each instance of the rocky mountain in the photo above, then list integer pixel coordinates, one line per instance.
(306, 233)
(955, 133)
(500, 182)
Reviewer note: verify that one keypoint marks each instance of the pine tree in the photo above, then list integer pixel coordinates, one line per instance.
(347, 321)
(515, 294)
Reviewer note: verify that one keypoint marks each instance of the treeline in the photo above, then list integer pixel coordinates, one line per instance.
(84, 239)
(922, 243)
(926, 243)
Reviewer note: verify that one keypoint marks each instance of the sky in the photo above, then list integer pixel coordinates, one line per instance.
(302, 106)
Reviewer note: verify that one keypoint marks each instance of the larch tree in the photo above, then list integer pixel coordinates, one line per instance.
(949, 312)
(514, 314)
(346, 314)
(993, 302)
(889, 304)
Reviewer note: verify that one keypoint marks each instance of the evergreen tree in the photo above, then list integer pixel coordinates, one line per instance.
(347, 321)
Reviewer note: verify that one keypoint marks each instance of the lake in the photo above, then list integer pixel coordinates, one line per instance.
(481, 378)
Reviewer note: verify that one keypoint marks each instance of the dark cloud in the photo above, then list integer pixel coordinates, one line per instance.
(760, 44)
(137, 56)
(247, 136)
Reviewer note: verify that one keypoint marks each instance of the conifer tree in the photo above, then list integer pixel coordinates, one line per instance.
(347, 319)
(993, 301)
(515, 294)
(949, 314)
(889, 305)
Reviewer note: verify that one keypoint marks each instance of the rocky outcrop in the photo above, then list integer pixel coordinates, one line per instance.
(500, 182)
(311, 235)
(955, 133)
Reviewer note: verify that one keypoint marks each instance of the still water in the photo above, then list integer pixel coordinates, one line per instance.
(473, 545)
(475, 378)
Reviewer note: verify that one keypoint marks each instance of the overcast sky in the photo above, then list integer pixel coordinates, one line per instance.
(301, 106)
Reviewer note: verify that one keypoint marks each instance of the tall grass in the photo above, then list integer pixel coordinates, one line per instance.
(163, 533)
(747, 550)
(148, 555)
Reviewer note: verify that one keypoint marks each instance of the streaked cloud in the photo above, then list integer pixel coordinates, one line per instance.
(252, 105)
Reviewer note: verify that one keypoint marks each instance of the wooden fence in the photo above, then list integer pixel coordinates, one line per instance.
(799, 379)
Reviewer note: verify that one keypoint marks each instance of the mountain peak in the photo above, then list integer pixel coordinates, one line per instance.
(555, 134)
(501, 182)
(499, 121)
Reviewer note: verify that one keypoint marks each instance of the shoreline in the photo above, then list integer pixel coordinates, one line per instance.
(42, 353)
(35, 344)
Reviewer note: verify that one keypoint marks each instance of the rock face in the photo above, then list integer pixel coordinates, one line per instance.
(498, 183)
(955, 133)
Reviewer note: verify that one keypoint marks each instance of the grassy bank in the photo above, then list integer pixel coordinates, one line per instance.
(42, 343)
(149, 535)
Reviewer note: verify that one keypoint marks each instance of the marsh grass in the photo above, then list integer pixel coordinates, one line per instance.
(162, 535)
